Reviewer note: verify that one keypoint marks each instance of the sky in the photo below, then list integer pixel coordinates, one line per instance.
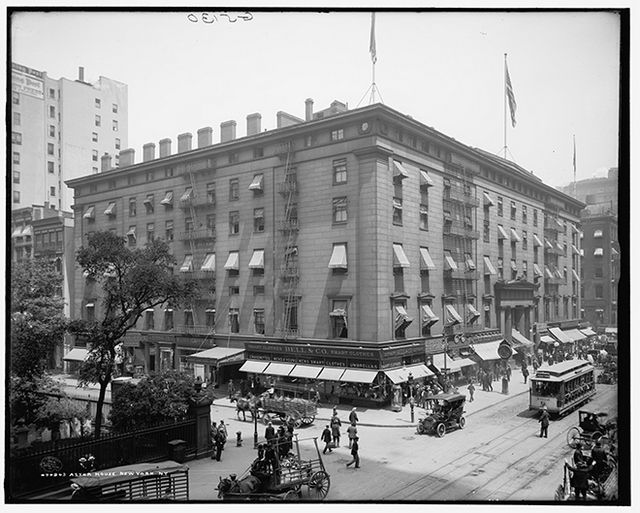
(445, 69)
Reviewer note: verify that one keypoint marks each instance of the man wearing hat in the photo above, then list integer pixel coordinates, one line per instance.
(544, 421)
(354, 452)
(599, 456)
(326, 438)
(580, 479)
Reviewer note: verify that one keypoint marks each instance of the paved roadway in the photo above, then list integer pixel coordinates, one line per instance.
(498, 456)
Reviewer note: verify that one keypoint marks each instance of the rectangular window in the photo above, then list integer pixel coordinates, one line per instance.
(513, 210)
(16, 157)
(234, 320)
(168, 230)
(94, 155)
(50, 149)
(486, 231)
(98, 120)
(525, 269)
(111, 184)
(98, 103)
(16, 118)
(131, 235)
(234, 189)
(114, 125)
(150, 231)
(424, 217)
(525, 242)
(149, 176)
(234, 290)
(291, 314)
(16, 196)
(258, 220)
(168, 320)
(211, 224)
(598, 272)
(149, 204)
(500, 206)
(210, 317)
(149, 323)
(258, 321)
(500, 268)
(340, 210)
(338, 318)
(94, 136)
(52, 191)
(535, 217)
(91, 312)
(337, 135)
(397, 211)
(524, 214)
(211, 193)
(535, 255)
(258, 290)
(339, 171)
(188, 318)
(52, 131)
(132, 207)
(52, 111)
(16, 177)
(52, 93)
(258, 152)
(15, 98)
(114, 108)
(16, 138)
(117, 143)
(168, 172)
(188, 224)
(233, 158)
(234, 223)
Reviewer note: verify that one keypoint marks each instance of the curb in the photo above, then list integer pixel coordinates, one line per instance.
(409, 425)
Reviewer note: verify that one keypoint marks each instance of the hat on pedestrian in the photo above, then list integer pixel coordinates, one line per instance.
(327, 426)
(353, 409)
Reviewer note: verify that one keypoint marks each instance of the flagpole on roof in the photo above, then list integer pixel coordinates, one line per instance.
(511, 99)
(373, 88)
(504, 148)
(575, 194)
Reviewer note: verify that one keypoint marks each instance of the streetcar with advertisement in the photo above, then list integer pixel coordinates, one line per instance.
(563, 387)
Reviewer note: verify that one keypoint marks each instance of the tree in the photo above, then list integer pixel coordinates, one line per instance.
(131, 281)
(37, 320)
(155, 399)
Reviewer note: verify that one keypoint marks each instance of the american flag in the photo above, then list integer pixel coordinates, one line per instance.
(372, 39)
(510, 96)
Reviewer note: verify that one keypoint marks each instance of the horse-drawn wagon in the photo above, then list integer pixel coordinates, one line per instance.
(268, 407)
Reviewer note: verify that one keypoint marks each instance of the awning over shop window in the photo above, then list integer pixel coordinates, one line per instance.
(186, 196)
(359, 376)
(331, 373)
(536, 270)
(488, 350)
(597, 252)
(488, 202)
(168, 199)
(279, 369)
(450, 263)
(520, 339)
(428, 317)
(257, 183)
(425, 179)
(452, 365)
(451, 316)
(560, 335)
(254, 367)
(399, 257)
(399, 170)
(209, 263)
(305, 371)
(575, 250)
(257, 259)
(547, 339)
(472, 314)
(77, 354)
(536, 240)
(233, 261)
(17, 232)
(488, 266)
(611, 331)
(575, 334)
(90, 213)
(501, 233)
(338, 257)
(588, 332)
(575, 275)
(187, 264)
(559, 246)
(426, 262)
(402, 375)
(514, 236)
(27, 231)
(402, 318)
(215, 355)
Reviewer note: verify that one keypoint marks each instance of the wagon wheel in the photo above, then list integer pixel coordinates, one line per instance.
(573, 437)
(319, 484)
(420, 429)
(595, 436)
(297, 421)
(307, 421)
(462, 422)
(291, 495)
(441, 430)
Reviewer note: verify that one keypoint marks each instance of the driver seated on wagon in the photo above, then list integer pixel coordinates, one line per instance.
(590, 423)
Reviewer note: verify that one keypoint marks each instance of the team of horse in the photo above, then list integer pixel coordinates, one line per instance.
(246, 404)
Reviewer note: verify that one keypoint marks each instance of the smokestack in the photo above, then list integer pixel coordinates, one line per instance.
(205, 136)
(165, 147)
(81, 73)
(184, 142)
(148, 152)
(253, 123)
(127, 157)
(227, 131)
(308, 109)
(105, 162)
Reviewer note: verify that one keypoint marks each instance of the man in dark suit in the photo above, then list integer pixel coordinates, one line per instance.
(354, 452)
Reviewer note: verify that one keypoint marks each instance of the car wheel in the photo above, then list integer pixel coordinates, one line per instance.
(462, 422)
(441, 430)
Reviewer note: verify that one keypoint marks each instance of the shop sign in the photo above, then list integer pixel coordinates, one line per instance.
(25, 84)
(295, 350)
(403, 351)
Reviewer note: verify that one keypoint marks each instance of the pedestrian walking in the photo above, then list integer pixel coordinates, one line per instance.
(232, 389)
(490, 381)
(525, 374)
(544, 421)
(326, 438)
(471, 390)
(580, 478)
(354, 452)
(353, 416)
(508, 372)
(212, 439)
(223, 427)
(220, 440)
(270, 432)
(352, 431)
(335, 433)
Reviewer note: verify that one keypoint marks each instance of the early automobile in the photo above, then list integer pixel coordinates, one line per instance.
(444, 412)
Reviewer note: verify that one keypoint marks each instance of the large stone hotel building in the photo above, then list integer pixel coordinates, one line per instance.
(335, 247)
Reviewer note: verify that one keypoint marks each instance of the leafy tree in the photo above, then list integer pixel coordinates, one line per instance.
(37, 320)
(131, 281)
(153, 400)
(26, 397)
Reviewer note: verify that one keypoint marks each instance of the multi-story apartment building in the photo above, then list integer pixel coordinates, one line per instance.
(354, 240)
(59, 128)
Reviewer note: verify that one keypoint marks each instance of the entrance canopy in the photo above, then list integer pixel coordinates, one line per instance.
(488, 350)
(77, 354)
(216, 355)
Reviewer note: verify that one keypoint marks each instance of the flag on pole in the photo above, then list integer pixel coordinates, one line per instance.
(510, 96)
(372, 39)
(574, 155)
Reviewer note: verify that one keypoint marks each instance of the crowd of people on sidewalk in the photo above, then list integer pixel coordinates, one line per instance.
(332, 431)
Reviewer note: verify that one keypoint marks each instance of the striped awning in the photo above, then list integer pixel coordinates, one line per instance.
(359, 376)
(305, 371)
(331, 373)
(254, 366)
(279, 369)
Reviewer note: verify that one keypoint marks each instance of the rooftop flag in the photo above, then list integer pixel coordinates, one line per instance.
(510, 96)
(372, 39)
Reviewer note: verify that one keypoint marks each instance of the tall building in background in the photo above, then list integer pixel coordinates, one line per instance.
(601, 247)
(59, 129)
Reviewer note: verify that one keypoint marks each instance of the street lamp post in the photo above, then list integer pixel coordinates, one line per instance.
(255, 425)
(411, 401)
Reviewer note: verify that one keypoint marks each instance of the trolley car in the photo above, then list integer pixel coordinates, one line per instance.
(562, 387)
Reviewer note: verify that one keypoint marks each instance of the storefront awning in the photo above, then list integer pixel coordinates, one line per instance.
(257, 259)
(77, 354)
(575, 334)
(439, 360)
(425, 179)
(560, 335)
(597, 252)
(338, 257)
(463, 362)
(215, 355)
(501, 233)
(279, 369)
(426, 262)
(588, 332)
(428, 317)
(575, 275)
(401, 317)
(547, 339)
(548, 272)
(359, 376)
(399, 257)
(233, 261)
(451, 316)
(520, 339)
(401, 375)
(17, 232)
(399, 170)
(575, 250)
(254, 367)
(186, 196)
(488, 267)
(331, 373)
(305, 371)
(488, 202)
(488, 350)
(27, 231)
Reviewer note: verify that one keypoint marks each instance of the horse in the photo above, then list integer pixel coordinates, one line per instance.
(245, 486)
(244, 404)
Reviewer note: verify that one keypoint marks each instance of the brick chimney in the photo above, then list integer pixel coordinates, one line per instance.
(205, 136)
(105, 162)
(127, 157)
(148, 152)
(253, 123)
(81, 73)
(165, 147)
(227, 131)
(184, 142)
(308, 109)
